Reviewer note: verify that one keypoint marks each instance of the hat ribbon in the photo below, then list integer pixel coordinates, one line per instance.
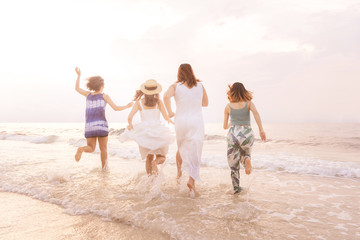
(150, 88)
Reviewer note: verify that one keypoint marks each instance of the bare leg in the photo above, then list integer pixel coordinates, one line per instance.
(103, 150)
(91, 144)
(154, 169)
(178, 164)
(191, 185)
(149, 159)
(248, 166)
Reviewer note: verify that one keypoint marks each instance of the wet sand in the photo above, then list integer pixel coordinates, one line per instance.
(279, 206)
(22, 217)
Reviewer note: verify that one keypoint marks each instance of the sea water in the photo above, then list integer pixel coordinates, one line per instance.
(305, 182)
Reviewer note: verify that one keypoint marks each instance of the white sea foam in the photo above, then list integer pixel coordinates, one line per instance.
(281, 163)
(290, 164)
(59, 176)
(77, 142)
(149, 186)
(313, 220)
(342, 215)
(140, 202)
(127, 195)
(28, 138)
(286, 217)
(214, 154)
(341, 227)
(303, 165)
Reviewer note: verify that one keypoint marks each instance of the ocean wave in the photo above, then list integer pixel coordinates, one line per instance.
(29, 138)
(116, 132)
(214, 137)
(282, 163)
(278, 163)
(302, 165)
(289, 164)
(77, 142)
(207, 137)
(352, 143)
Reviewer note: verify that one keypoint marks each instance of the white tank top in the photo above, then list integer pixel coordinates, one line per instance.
(188, 101)
(152, 114)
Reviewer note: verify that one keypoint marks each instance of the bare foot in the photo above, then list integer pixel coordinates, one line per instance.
(78, 154)
(154, 169)
(191, 186)
(178, 177)
(248, 166)
(178, 166)
(238, 191)
(179, 173)
(105, 166)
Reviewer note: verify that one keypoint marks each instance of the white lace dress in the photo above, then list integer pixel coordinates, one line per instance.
(150, 134)
(189, 127)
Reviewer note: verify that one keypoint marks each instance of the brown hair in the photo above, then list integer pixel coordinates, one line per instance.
(238, 93)
(186, 75)
(95, 83)
(150, 100)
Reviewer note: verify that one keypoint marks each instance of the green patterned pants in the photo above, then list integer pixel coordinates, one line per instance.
(239, 142)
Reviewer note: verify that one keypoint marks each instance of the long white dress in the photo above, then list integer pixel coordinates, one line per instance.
(189, 127)
(150, 134)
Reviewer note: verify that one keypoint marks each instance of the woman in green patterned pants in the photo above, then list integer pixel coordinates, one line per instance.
(240, 137)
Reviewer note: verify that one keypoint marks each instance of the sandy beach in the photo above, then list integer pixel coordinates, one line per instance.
(22, 217)
(308, 207)
(297, 190)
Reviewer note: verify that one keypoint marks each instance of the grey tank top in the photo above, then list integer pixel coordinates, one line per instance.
(240, 116)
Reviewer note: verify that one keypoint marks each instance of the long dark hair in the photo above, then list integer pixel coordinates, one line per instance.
(150, 100)
(186, 75)
(238, 93)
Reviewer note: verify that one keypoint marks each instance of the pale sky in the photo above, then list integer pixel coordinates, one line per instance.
(301, 58)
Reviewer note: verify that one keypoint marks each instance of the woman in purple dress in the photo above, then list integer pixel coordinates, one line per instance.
(96, 127)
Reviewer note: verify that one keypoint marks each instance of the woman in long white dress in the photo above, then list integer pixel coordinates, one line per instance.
(190, 96)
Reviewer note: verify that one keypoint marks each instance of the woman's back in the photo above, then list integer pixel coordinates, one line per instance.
(96, 123)
(95, 107)
(149, 114)
(239, 113)
(188, 101)
(189, 127)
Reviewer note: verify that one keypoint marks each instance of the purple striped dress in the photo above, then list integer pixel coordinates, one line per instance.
(96, 124)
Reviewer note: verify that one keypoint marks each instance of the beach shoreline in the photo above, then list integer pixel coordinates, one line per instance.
(298, 189)
(23, 217)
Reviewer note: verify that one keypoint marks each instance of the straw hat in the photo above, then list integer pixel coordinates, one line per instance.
(150, 87)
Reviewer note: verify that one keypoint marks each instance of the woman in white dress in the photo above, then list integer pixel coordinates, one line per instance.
(151, 135)
(190, 96)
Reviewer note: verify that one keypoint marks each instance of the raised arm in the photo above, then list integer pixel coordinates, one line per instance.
(205, 100)
(134, 109)
(77, 84)
(226, 124)
(114, 106)
(258, 120)
(163, 111)
(167, 95)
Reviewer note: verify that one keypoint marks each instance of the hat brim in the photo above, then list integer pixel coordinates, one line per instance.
(151, 92)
